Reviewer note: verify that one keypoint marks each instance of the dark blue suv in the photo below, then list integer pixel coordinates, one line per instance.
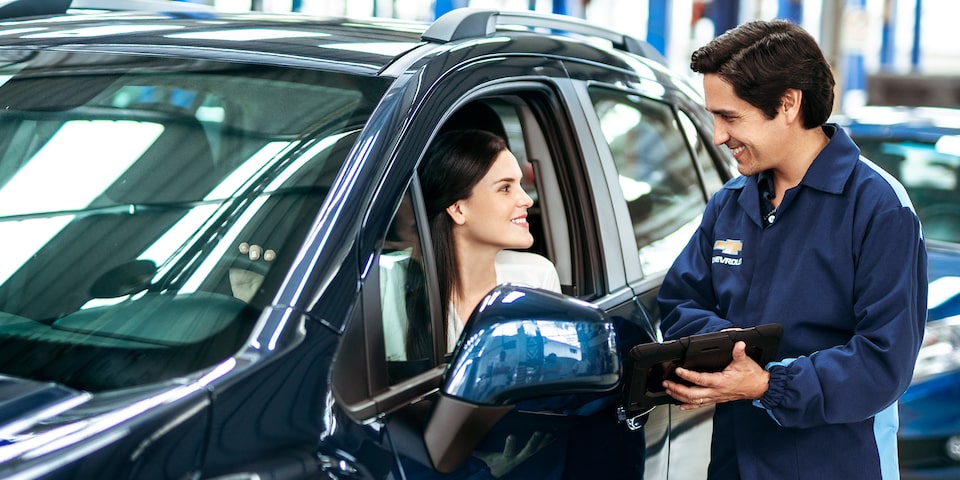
(200, 215)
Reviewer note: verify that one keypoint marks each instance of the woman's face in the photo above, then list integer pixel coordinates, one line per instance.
(495, 213)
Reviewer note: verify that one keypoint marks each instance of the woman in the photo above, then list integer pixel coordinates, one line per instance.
(477, 212)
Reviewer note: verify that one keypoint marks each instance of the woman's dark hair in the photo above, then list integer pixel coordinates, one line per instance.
(762, 59)
(454, 164)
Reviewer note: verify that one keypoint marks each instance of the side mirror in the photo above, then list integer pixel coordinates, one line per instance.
(520, 343)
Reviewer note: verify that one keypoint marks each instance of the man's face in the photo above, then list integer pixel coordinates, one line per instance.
(755, 140)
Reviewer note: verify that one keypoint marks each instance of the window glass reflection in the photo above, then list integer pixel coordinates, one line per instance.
(146, 204)
(658, 178)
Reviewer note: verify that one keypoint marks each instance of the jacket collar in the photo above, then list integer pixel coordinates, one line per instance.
(829, 172)
(834, 165)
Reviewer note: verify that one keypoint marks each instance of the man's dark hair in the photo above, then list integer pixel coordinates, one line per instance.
(762, 59)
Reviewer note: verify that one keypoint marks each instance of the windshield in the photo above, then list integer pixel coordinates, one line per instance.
(150, 207)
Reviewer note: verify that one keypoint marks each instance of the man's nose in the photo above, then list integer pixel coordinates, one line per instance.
(720, 135)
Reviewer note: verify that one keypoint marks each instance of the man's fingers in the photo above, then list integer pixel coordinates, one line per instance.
(691, 376)
(739, 350)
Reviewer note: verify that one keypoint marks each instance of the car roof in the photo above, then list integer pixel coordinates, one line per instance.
(360, 45)
(919, 123)
(286, 38)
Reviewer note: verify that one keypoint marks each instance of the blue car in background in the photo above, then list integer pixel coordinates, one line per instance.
(921, 147)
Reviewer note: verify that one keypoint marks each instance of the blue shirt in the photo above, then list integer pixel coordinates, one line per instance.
(843, 269)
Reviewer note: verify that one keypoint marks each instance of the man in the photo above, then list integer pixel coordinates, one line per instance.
(814, 237)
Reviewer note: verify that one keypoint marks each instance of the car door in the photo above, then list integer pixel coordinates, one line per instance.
(573, 226)
(663, 171)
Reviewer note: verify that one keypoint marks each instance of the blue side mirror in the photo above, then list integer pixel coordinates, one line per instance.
(526, 343)
(520, 344)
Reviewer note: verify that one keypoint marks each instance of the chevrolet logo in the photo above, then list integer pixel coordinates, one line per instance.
(729, 247)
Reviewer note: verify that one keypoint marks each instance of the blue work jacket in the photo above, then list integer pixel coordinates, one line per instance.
(843, 269)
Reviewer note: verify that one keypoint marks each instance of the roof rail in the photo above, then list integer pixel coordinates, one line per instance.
(466, 23)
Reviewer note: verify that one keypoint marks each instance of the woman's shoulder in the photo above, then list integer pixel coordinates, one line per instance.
(514, 257)
(526, 268)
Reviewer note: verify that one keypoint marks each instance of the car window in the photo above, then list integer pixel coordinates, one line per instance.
(407, 325)
(930, 171)
(404, 294)
(658, 177)
(155, 204)
(712, 181)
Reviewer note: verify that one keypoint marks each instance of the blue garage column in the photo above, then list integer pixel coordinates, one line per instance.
(443, 6)
(855, 74)
(791, 10)
(658, 24)
(888, 35)
(915, 49)
(725, 15)
(560, 7)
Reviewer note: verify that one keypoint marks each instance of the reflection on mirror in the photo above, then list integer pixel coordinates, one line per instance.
(525, 343)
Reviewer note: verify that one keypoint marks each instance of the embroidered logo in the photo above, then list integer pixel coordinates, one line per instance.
(728, 247)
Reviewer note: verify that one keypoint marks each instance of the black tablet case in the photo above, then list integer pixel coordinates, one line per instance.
(650, 363)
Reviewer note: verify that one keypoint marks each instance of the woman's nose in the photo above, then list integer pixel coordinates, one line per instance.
(525, 200)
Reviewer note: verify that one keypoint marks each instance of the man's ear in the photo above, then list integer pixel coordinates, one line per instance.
(456, 213)
(790, 103)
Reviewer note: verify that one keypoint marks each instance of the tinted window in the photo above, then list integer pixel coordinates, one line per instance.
(658, 176)
(152, 210)
(930, 171)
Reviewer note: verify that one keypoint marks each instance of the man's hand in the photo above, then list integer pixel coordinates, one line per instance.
(742, 379)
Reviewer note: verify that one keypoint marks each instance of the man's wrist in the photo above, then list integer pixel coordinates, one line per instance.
(762, 385)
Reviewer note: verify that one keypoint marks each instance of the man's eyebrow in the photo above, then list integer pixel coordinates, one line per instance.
(722, 111)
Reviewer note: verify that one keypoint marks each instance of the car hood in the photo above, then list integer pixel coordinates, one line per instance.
(25, 403)
(39, 419)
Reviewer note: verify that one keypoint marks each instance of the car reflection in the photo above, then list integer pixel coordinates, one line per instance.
(546, 349)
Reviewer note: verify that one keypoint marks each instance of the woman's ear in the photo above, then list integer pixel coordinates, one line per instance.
(456, 213)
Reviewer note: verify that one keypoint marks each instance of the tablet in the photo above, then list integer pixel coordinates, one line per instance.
(650, 363)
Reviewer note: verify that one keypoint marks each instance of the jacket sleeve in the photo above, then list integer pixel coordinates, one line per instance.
(856, 380)
(686, 298)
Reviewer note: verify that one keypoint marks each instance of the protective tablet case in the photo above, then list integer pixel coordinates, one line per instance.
(650, 363)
